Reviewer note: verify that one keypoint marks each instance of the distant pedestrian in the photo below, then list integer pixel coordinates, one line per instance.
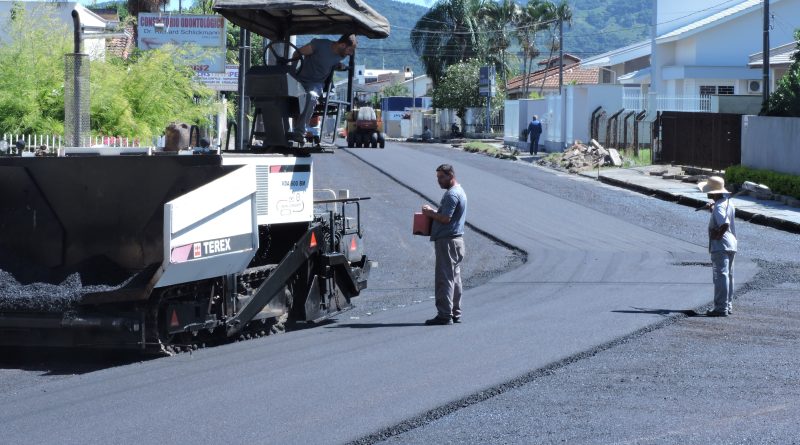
(455, 131)
(722, 244)
(447, 233)
(534, 131)
(427, 135)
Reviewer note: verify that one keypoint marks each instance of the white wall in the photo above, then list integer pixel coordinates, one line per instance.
(730, 43)
(770, 143)
(727, 44)
(673, 14)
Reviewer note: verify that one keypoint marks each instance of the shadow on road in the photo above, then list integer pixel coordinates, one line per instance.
(54, 361)
(375, 325)
(637, 310)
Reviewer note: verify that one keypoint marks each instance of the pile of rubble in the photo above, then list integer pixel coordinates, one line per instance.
(581, 157)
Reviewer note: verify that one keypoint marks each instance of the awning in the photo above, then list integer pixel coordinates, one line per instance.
(280, 19)
(635, 77)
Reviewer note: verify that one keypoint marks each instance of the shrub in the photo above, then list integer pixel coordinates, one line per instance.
(781, 183)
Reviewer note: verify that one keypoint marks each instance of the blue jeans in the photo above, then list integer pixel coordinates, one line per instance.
(722, 265)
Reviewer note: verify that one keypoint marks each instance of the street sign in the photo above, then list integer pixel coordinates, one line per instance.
(486, 83)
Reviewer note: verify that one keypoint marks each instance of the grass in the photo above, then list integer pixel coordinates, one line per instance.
(636, 161)
(489, 150)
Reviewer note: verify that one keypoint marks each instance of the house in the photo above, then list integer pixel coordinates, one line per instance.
(699, 56)
(46, 13)
(376, 80)
(780, 59)
(702, 53)
(122, 45)
(546, 80)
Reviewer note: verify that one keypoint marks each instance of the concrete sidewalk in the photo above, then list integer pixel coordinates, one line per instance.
(765, 212)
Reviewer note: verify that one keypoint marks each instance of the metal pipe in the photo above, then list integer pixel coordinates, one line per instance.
(76, 31)
(351, 67)
(592, 124)
(244, 104)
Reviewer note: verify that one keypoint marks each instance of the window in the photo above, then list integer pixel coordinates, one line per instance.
(708, 90)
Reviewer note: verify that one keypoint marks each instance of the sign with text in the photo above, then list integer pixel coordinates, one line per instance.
(207, 32)
(227, 81)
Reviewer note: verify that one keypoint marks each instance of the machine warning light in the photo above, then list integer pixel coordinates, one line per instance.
(174, 320)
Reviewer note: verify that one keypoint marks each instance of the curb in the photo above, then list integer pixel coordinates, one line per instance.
(755, 218)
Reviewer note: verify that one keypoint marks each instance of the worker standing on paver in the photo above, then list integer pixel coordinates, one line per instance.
(722, 244)
(447, 233)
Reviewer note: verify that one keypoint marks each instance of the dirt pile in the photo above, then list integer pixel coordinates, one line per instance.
(580, 157)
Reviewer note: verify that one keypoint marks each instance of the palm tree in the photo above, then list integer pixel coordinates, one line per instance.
(447, 34)
(563, 13)
(533, 18)
(497, 17)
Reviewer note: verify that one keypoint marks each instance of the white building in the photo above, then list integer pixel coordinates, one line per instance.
(703, 47)
(48, 12)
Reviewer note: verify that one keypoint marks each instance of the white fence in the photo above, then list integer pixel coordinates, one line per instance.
(633, 99)
(51, 143)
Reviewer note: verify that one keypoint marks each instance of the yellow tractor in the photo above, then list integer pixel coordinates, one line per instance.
(365, 128)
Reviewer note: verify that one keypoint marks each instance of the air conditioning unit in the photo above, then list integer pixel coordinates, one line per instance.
(754, 86)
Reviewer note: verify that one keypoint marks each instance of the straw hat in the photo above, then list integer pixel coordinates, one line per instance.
(715, 184)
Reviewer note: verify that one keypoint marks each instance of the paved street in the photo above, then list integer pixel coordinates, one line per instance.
(603, 267)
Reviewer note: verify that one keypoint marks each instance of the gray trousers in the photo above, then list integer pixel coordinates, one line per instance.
(722, 264)
(313, 93)
(449, 254)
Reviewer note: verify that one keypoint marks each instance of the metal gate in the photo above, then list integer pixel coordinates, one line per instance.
(710, 140)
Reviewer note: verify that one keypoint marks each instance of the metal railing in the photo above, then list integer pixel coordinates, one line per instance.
(51, 143)
(635, 100)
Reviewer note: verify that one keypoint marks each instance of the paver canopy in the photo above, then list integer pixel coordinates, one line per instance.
(277, 20)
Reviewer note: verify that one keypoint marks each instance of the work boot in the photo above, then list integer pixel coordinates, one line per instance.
(438, 321)
(297, 136)
(456, 319)
(716, 314)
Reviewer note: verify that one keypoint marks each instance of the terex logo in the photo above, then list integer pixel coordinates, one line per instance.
(216, 246)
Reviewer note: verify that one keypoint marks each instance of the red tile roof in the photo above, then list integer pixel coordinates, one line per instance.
(573, 74)
(121, 46)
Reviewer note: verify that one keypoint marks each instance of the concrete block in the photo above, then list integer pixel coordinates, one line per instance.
(616, 160)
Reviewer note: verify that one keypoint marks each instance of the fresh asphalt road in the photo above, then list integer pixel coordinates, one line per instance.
(343, 381)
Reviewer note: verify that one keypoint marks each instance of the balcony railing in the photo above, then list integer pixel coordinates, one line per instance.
(634, 100)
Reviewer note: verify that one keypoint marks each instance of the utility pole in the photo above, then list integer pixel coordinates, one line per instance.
(560, 54)
(561, 93)
(765, 69)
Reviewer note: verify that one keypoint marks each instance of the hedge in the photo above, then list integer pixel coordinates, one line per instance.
(780, 183)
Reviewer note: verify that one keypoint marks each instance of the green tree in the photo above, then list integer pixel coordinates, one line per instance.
(32, 72)
(499, 20)
(535, 16)
(141, 97)
(785, 101)
(458, 88)
(396, 89)
(135, 98)
(563, 14)
(447, 34)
